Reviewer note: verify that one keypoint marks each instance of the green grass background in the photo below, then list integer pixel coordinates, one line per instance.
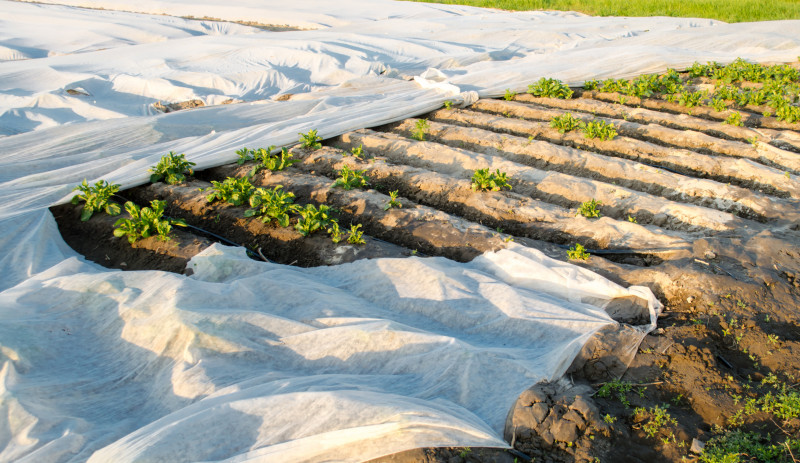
(724, 10)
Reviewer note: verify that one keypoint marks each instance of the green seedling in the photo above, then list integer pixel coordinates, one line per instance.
(483, 180)
(691, 99)
(393, 202)
(420, 128)
(734, 119)
(358, 152)
(509, 95)
(349, 179)
(264, 159)
(448, 104)
(591, 85)
(589, 209)
(96, 198)
(550, 88)
(356, 235)
(719, 104)
(145, 222)
(632, 219)
(600, 129)
(272, 204)
(313, 219)
(172, 168)
(310, 140)
(655, 419)
(578, 252)
(235, 191)
(565, 123)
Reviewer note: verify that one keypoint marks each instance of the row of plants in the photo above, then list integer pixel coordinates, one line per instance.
(268, 204)
(597, 128)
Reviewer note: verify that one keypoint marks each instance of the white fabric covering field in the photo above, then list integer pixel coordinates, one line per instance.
(247, 361)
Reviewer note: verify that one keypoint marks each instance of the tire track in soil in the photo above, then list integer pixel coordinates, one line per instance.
(709, 250)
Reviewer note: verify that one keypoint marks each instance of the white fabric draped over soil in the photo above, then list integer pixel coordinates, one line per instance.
(251, 361)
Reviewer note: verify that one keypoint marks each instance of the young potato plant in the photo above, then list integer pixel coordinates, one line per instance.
(235, 191)
(420, 129)
(550, 88)
(264, 159)
(356, 235)
(565, 123)
(358, 152)
(600, 129)
(313, 219)
(272, 204)
(509, 95)
(691, 99)
(734, 119)
(145, 222)
(172, 168)
(349, 179)
(310, 140)
(96, 198)
(589, 209)
(393, 202)
(483, 180)
(578, 252)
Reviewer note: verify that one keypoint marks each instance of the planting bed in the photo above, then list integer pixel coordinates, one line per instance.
(706, 214)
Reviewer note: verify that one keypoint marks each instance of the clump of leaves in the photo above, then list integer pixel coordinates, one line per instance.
(739, 446)
(589, 209)
(591, 85)
(310, 140)
(356, 235)
(235, 191)
(550, 88)
(420, 128)
(578, 252)
(145, 222)
(393, 202)
(313, 219)
(509, 95)
(448, 104)
(272, 204)
(735, 119)
(565, 123)
(172, 168)
(96, 198)
(600, 129)
(264, 159)
(358, 152)
(719, 104)
(691, 99)
(349, 179)
(654, 419)
(483, 180)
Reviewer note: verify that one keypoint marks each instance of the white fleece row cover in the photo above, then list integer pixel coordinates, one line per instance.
(248, 361)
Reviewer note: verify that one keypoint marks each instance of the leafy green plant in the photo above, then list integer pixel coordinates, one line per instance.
(565, 123)
(739, 446)
(349, 179)
(356, 235)
(691, 99)
(172, 168)
(719, 104)
(310, 140)
(232, 190)
(358, 152)
(145, 222)
(589, 209)
(483, 180)
(96, 198)
(632, 219)
(600, 129)
(578, 252)
(509, 95)
(313, 219)
(655, 419)
(420, 128)
(591, 85)
(272, 204)
(264, 159)
(735, 119)
(393, 202)
(448, 104)
(550, 88)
